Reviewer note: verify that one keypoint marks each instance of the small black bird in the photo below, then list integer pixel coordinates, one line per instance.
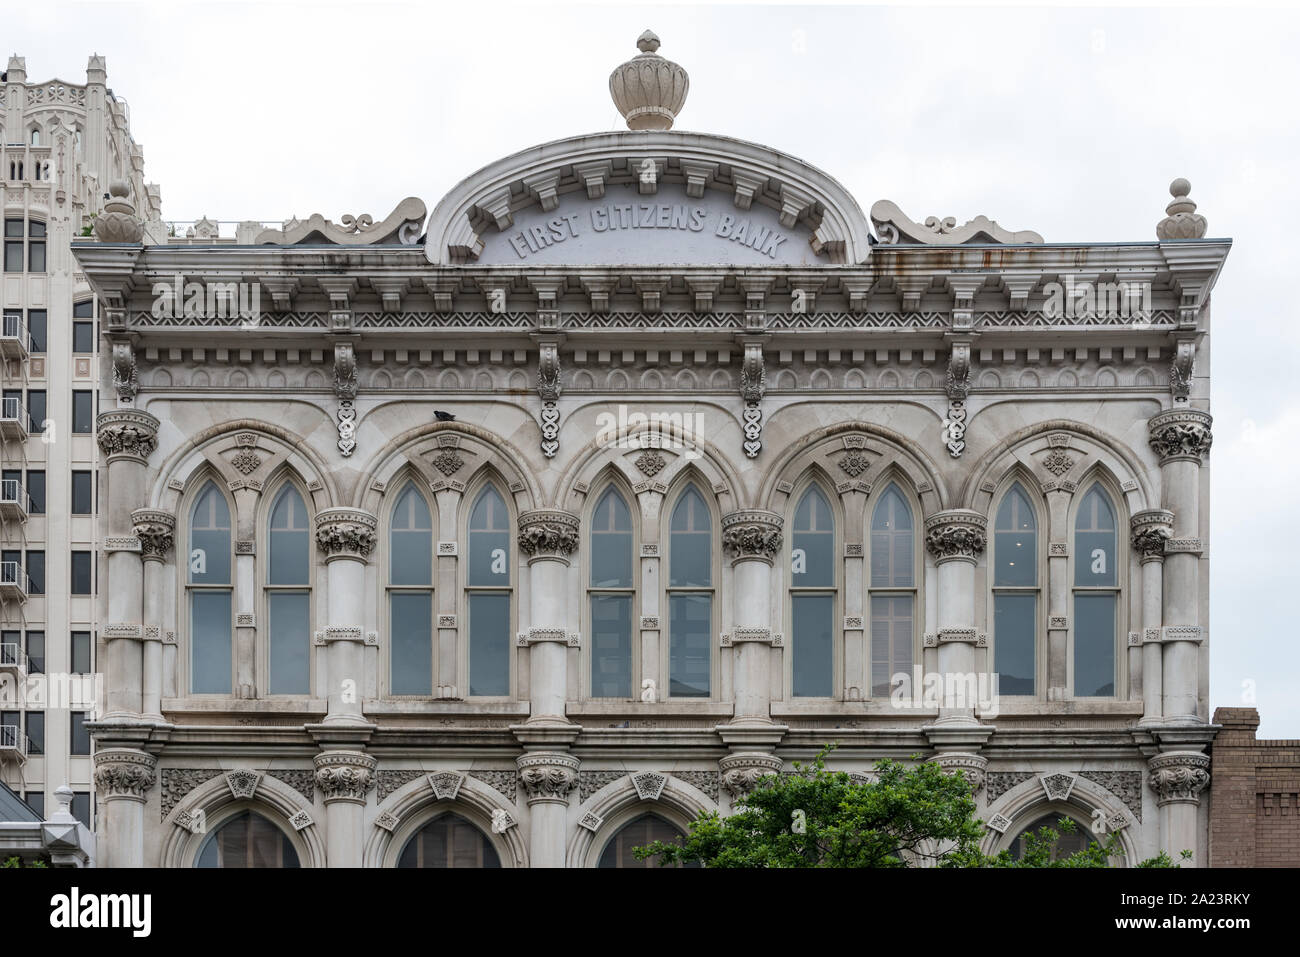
(443, 416)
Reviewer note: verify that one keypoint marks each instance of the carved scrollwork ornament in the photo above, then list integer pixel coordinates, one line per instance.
(548, 533)
(751, 534)
(1181, 371)
(345, 775)
(124, 773)
(1181, 435)
(958, 388)
(126, 378)
(753, 386)
(956, 534)
(548, 390)
(548, 777)
(1179, 776)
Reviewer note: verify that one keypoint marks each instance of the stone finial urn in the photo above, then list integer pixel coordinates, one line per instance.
(648, 89)
(1181, 219)
(118, 222)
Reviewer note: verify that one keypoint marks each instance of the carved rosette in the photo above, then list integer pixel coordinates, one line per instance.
(1151, 529)
(127, 434)
(1181, 435)
(548, 777)
(156, 531)
(346, 533)
(958, 533)
(1179, 776)
(751, 535)
(548, 533)
(124, 773)
(971, 765)
(742, 771)
(345, 775)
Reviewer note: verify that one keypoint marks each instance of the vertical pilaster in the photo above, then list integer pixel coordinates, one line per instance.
(752, 539)
(346, 536)
(1178, 778)
(123, 776)
(548, 777)
(548, 537)
(956, 538)
(1058, 594)
(156, 532)
(344, 776)
(1151, 530)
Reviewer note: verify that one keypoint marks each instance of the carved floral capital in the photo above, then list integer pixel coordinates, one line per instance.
(548, 533)
(1151, 529)
(741, 772)
(124, 773)
(346, 533)
(156, 531)
(1181, 435)
(1179, 776)
(345, 775)
(957, 533)
(751, 534)
(126, 433)
(548, 777)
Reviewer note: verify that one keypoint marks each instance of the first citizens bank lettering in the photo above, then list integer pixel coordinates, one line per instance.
(76, 910)
(612, 217)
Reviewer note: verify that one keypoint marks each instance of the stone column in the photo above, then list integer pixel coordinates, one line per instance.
(344, 776)
(346, 536)
(547, 778)
(122, 778)
(156, 531)
(1151, 529)
(1058, 592)
(956, 538)
(751, 538)
(1178, 778)
(1181, 438)
(244, 580)
(126, 437)
(548, 537)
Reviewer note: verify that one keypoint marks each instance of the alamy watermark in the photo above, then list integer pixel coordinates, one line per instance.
(679, 431)
(1083, 299)
(211, 300)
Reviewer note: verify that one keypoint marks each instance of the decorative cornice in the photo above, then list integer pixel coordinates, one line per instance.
(1151, 530)
(126, 433)
(1179, 776)
(751, 535)
(155, 529)
(548, 533)
(548, 777)
(957, 533)
(124, 773)
(345, 775)
(1181, 435)
(346, 533)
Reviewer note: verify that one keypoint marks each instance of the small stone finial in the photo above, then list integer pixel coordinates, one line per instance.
(648, 89)
(1181, 220)
(118, 222)
(63, 796)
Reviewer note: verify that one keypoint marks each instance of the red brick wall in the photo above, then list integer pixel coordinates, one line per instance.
(1254, 795)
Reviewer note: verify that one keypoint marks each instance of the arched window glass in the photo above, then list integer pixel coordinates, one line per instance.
(288, 600)
(36, 137)
(210, 593)
(410, 594)
(690, 596)
(1066, 845)
(644, 830)
(247, 840)
(1096, 595)
(1015, 594)
(449, 841)
(612, 594)
(892, 590)
(488, 597)
(812, 595)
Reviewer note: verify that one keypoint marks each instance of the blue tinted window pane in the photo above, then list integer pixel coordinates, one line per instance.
(411, 542)
(892, 556)
(489, 644)
(411, 641)
(813, 664)
(611, 646)
(1095, 541)
(1015, 541)
(690, 559)
(611, 543)
(489, 540)
(290, 641)
(690, 625)
(1014, 632)
(891, 641)
(812, 556)
(210, 642)
(1094, 646)
(209, 558)
(289, 544)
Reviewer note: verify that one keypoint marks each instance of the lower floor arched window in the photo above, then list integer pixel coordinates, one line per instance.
(638, 832)
(247, 840)
(1066, 845)
(449, 841)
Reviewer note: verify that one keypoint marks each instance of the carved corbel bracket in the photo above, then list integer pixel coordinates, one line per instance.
(548, 390)
(958, 387)
(126, 379)
(753, 386)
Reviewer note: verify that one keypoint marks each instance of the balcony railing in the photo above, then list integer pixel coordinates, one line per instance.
(13, 337)
(13, 743)
(15, 503)
(14, 420)
(14, 583)
(13, 659)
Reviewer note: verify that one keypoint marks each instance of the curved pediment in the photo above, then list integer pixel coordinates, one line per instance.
(648, 198)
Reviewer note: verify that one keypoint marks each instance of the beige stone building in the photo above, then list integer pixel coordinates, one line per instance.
(520, 532)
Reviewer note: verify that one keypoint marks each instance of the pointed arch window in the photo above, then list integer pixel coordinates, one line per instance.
(611, 596)
(892, 589)
(288, 598)
(247, 840)
(1096, 595)
(488, 594)
(812, 596)
(210, 591)
(639, 832)
(690, 596)
(410, 594)
(1015, 594)
(449, 841)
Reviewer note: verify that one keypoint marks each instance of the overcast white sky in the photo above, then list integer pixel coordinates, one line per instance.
(1070, 122)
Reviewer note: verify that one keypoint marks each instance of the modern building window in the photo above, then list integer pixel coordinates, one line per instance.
(81, 806)
(449, 841)
(14, 326)
(1015, 594)
(247, 840)
(639, 832)
(10, 645)
(83, 411)
(14, 245)
(36, 801)
(36, 415)
(209, 588)
(690, 596)
(81, 664)
(36, 490)
(83, 327)
(812, 595)
(82, 573)
(36, 247)
(35, 652)
(1096, 595)
(487, 595)
(611, 596)
(287, 596)
(82, 493)
(36, 732)
(37, 330)
(11, 729)
(35, 569)
(410, 594)
(79, 737)
(11, 488)
(892, 589)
